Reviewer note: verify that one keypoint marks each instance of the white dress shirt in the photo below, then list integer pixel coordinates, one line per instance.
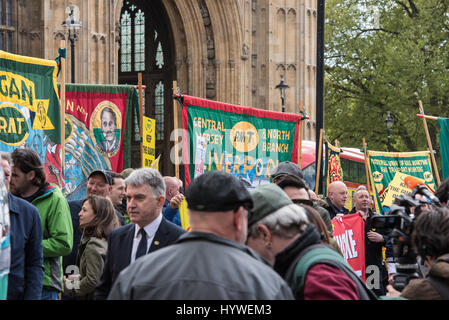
(150, 229)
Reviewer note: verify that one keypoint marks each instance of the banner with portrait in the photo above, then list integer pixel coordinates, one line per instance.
(383, 168)
(98, 128)
(30, 114)
(246, 142)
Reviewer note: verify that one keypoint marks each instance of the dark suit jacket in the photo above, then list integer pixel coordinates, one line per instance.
(120, 245)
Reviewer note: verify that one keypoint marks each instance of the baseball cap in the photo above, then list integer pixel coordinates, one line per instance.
(217, 191)
(102, 173)
(287, 167)
(267, 199)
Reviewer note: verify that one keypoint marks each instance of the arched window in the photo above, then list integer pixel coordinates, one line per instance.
(147, 48)
(132, 41)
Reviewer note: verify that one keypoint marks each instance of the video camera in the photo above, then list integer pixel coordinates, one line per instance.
(401, 219)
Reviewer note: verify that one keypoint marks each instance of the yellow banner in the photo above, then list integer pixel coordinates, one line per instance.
(183, 212)
(148, 141)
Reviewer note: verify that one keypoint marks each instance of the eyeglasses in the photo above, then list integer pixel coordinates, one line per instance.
(303, 201)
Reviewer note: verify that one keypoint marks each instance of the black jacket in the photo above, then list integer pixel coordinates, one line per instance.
(333, 210)
(120, 243)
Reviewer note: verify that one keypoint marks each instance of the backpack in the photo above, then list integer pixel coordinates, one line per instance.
(322, 254)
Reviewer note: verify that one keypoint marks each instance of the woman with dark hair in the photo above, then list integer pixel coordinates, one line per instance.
(97, 220)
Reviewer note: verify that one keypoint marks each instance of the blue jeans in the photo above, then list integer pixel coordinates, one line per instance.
(49, 294)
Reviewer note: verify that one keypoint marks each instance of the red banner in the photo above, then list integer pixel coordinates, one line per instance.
(349, 232)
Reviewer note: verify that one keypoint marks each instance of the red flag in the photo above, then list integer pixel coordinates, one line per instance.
(349, 232)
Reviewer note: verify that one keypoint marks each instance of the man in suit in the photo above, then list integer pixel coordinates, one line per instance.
(147, 232)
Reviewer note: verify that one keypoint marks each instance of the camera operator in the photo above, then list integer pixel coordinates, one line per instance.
(430, 239)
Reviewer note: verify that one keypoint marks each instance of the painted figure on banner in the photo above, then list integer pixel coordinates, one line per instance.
(105, 128)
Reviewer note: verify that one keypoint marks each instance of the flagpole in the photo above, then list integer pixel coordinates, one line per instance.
(300, 134)
(175, 128)
(434, 163)
(62, 107)
(139, 84)
(368, 186)
(318, 171)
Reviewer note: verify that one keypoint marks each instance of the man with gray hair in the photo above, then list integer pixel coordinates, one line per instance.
(147, 232)
(375, 240)
(211, 262)
(280, 231)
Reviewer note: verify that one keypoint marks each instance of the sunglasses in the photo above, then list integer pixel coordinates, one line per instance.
(303, 201)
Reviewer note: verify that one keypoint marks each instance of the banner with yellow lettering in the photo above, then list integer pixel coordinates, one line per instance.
(243, 141)
(148, 141)
(29, 110)
(384, 166)
(98, 131)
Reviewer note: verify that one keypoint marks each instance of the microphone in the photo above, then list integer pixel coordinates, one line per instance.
(413, 182)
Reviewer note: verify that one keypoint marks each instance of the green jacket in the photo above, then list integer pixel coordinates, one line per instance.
(92, 252)
(57, 231)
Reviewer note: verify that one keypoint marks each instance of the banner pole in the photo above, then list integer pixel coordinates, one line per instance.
(139, 84)
(368, 186)
(175, 128)
(434, 163)
(300, 134)
(426, 116)
(62, 107)
(318, 171)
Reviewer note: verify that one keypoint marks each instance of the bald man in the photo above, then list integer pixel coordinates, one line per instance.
(336, 199)
(173, 199)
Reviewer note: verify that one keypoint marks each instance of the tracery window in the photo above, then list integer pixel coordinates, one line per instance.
(132, 41)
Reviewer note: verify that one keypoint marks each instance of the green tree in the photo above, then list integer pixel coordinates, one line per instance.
(385, 55)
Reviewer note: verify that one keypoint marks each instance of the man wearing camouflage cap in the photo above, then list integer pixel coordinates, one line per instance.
(211, 261)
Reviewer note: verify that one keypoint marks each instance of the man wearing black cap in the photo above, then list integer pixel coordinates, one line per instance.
(211, 261)
(286, 168)
(99, 183)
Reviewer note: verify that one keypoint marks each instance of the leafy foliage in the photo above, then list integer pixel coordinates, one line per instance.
(386, 55)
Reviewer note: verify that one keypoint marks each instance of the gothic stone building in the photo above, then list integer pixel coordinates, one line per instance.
(232, 51)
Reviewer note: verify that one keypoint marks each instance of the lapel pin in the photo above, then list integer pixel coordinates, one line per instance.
(156, 243)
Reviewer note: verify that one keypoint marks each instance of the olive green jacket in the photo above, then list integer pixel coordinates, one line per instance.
(92, 253)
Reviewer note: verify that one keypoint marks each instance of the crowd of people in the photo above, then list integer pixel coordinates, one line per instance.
(124, 240)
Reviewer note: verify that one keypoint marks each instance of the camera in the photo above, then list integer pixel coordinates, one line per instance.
(400, 219)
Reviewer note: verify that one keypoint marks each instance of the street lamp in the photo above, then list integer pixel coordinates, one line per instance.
(73, 25)
(282, 86)
(389, 122)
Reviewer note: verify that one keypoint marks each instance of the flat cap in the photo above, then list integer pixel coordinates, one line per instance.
(217, 191)
(267, 199)
(104, 174)
(287, 167)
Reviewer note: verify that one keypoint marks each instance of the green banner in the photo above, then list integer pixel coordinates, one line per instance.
(443, 123)
(30, 115)
(384, 166)
(246, 142)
